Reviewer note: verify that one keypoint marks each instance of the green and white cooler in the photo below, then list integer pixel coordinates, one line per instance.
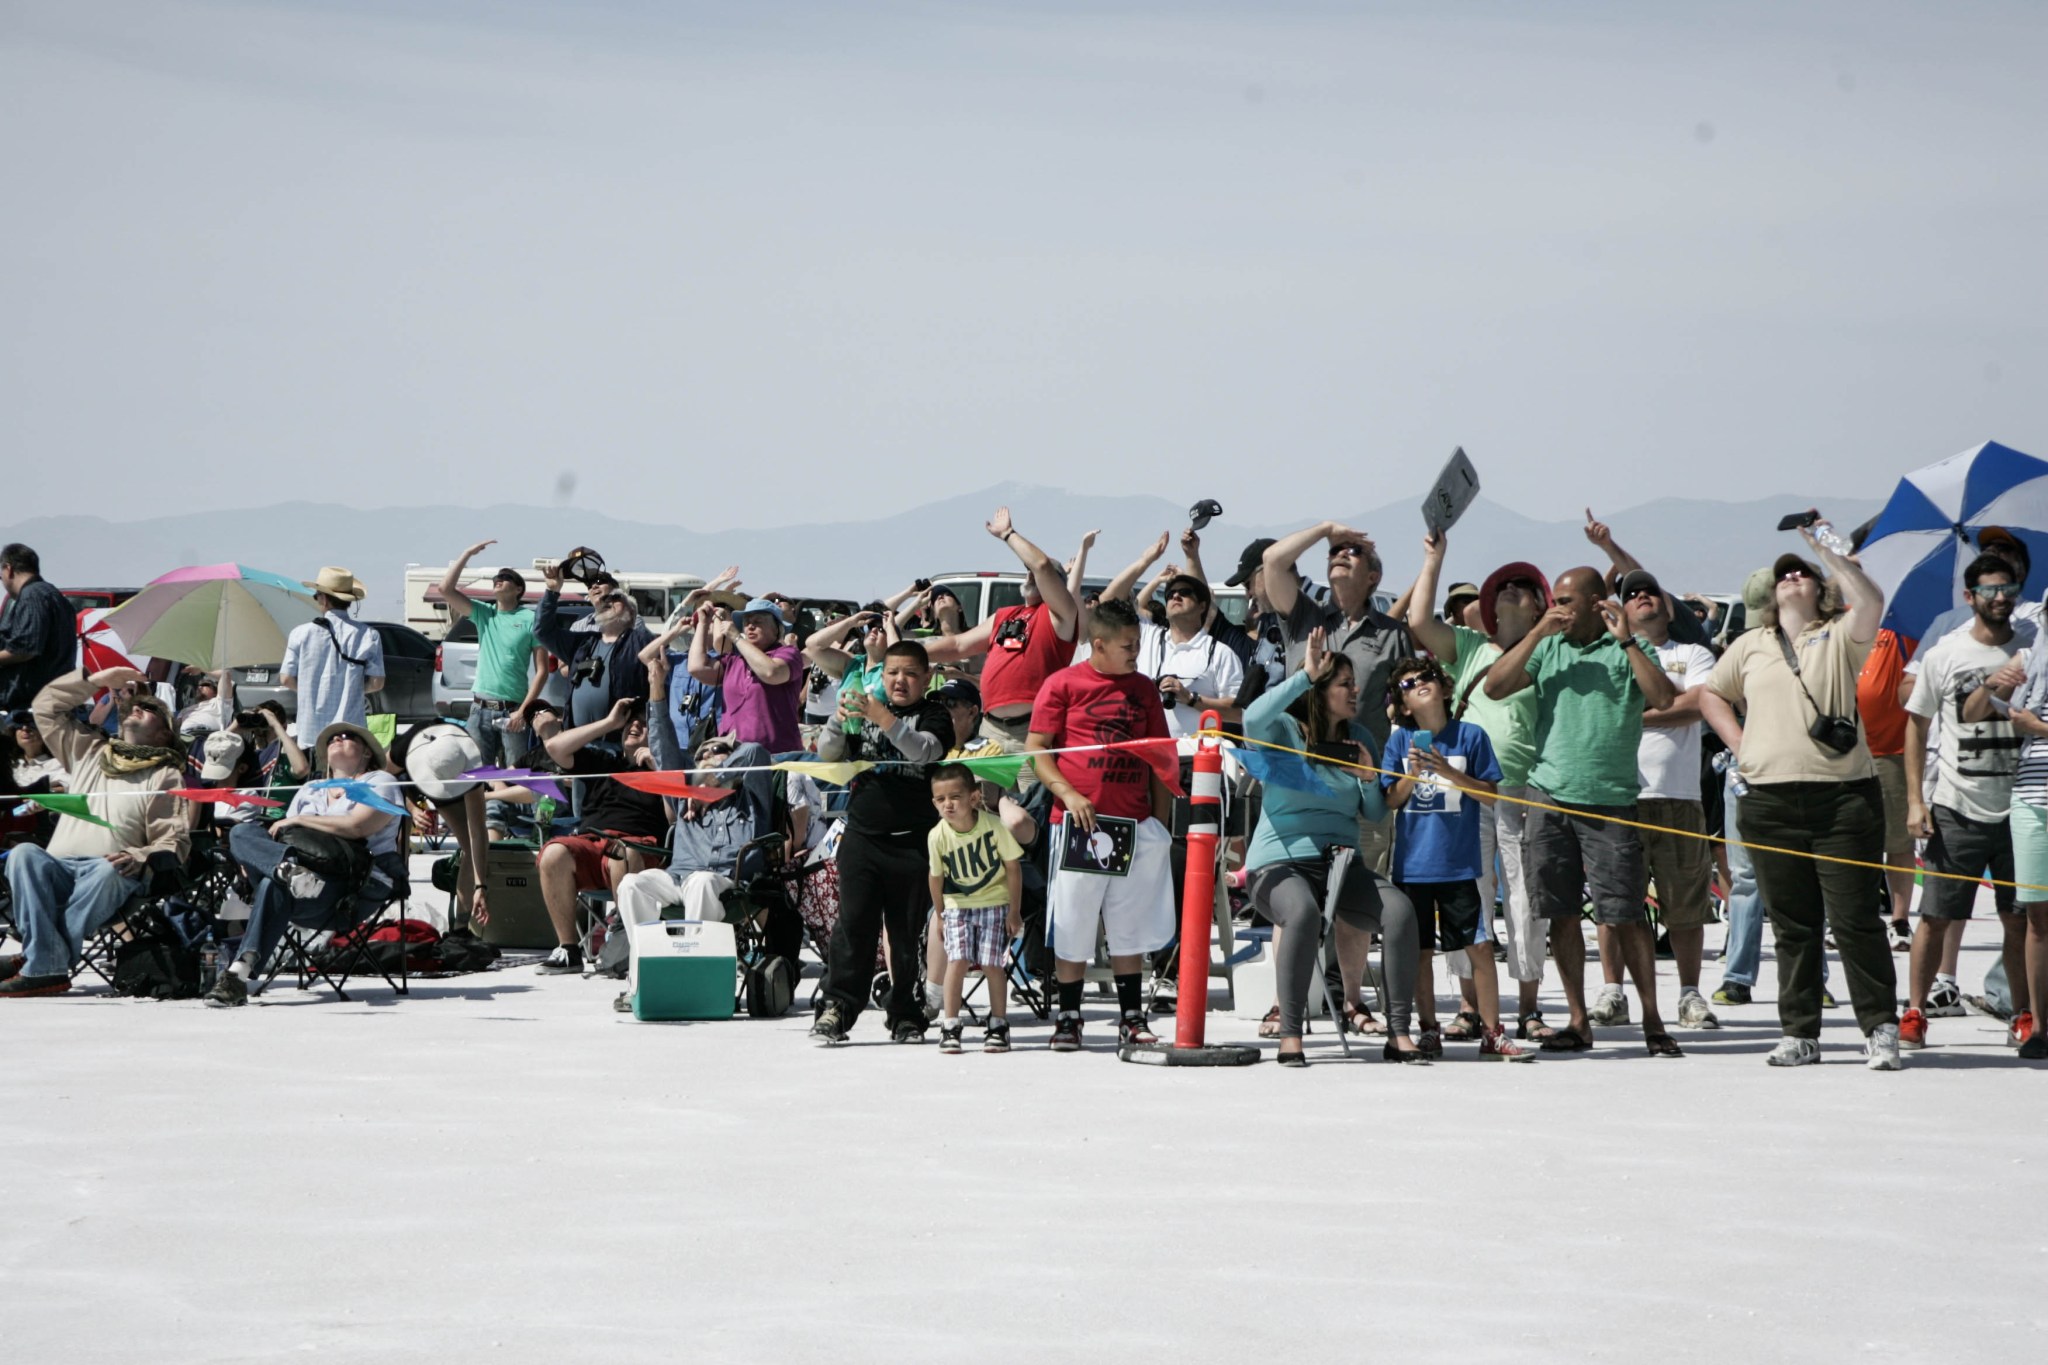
(682, 969)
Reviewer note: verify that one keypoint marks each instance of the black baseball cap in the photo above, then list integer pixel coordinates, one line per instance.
(960, 690)
(1634, 581)
(1250, 562)
(510, 575)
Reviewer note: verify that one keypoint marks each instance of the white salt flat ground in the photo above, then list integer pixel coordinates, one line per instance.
(499, 1168)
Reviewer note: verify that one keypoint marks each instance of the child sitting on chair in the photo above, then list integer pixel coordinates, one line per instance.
(977, 890)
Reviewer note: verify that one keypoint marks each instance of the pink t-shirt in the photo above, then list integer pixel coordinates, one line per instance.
(756, 713)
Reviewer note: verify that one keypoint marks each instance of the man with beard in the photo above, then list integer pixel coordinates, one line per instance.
(1967, 829)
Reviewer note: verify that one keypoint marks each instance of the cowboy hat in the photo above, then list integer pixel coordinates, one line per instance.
(437, 755)
(338, 583)
(362, 736)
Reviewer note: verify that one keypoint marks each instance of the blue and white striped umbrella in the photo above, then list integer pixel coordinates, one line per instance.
(1925, 536)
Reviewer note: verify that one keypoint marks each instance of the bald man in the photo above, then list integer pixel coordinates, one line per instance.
(1593, 682)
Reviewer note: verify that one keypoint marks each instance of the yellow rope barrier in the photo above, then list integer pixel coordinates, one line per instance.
(1637, 824)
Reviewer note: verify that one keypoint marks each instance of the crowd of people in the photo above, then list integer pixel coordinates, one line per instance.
(1465, 778)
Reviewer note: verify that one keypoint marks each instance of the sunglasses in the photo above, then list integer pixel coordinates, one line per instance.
(1189, 593)
(1991, 590)
(1415, 680)
(1641, 592)
(1347, 552)
(1793, 575)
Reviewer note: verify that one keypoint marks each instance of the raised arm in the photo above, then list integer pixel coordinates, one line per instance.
(702, 667)
(1191, 555)
(451, 582)
(564, 747)
(1052, 584)
(1077, 572)
(1864, 598)
(1281, 590)
(822, 651)
(1657, 687)
(547, 617)
(1510, 672)
(1126, 582)
(1602, 537)
(1430, 631)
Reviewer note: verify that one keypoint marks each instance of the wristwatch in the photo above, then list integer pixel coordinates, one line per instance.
(1632, 642)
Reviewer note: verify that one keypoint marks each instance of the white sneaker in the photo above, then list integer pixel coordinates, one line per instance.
(1794, 1052)
(1881, 1048)
(1610, 1008)
(1695, 1012)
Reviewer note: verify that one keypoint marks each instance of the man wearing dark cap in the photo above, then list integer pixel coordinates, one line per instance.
(511, 667)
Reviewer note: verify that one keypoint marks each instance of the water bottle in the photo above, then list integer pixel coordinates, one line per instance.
(1828, 538)
(544, 816)
(1725, 763)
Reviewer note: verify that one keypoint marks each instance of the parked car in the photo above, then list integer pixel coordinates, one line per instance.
(408, 691)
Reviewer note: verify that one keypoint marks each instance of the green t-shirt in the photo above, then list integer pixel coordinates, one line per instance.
(504, 650)
(1589, 719)
(1510, 725)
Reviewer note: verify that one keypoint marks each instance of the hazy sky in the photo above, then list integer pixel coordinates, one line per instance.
(757, 263)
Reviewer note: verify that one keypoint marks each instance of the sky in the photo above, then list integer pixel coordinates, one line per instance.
(760, 264)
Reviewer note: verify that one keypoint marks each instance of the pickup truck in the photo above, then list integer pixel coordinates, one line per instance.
(408, 683)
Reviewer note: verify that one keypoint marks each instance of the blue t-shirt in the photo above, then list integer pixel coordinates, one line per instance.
(1436, 835)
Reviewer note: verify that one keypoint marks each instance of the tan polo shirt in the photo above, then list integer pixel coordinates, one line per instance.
(1776, 745)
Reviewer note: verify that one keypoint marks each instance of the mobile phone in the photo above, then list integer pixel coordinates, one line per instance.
(1798, 520)
(1424, 740)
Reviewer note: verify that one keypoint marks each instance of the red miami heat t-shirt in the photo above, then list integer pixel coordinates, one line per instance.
(1079, 705)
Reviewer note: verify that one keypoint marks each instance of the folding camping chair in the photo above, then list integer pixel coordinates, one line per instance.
(301, 948)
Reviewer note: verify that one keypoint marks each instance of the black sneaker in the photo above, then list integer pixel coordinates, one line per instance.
(949, 1038)
(2035, 1049)
(565, 960)
(1732, 993)
(830, 1029)
(1135, 1032)
(996, 1038)
(228, 992)
(1066, 1033)
(1828, 1001)
(907, 1032)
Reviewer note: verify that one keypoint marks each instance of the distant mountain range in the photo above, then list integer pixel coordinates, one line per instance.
(1695, 545)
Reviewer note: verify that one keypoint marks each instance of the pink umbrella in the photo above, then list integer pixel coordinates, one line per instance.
(215, 616)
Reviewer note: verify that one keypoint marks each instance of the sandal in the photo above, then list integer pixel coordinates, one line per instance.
(1532, 1029)
(1269, 1027)
(1358, 1019)
(1429, 1041)
(1567, 1040)
(1662, 1045)
(1467, 1027)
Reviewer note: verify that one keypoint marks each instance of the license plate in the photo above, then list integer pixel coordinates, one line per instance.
(259, 675)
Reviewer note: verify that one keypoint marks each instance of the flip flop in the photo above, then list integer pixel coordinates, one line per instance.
(1566, 1040)
(1662, 1045)
(1269, 1027)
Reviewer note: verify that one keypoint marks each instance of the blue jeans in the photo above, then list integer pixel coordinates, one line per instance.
(59, 903)
(500, 748)
(274, 907)
(1743, 956)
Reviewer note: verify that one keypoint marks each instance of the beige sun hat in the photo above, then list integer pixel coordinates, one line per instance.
(339, 583)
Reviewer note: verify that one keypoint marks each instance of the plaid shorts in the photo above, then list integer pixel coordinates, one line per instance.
(977, 935)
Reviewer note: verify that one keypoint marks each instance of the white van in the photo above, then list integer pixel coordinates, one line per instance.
(655, 594)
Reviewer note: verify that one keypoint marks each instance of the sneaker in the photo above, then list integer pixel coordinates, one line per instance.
(1135, 1032)
(1794, 1052)
(830, 1029)
(565, 960)
(1066, 1033)
(1610, 1008)
(949, 1038)
(21, 986)
(1902, 936)
(1881, 1048)
(1694, 1012)
(1945, 1001)
(228, 991)
(1827, 999)
(11, 965)
(1165, 995)
(1429, 1041)
(2035, 1049)
(1912, 1030)
(2020, 1030)
(907, 1031)
(996, 1037)
(1496, 1046)
(1732, 993)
